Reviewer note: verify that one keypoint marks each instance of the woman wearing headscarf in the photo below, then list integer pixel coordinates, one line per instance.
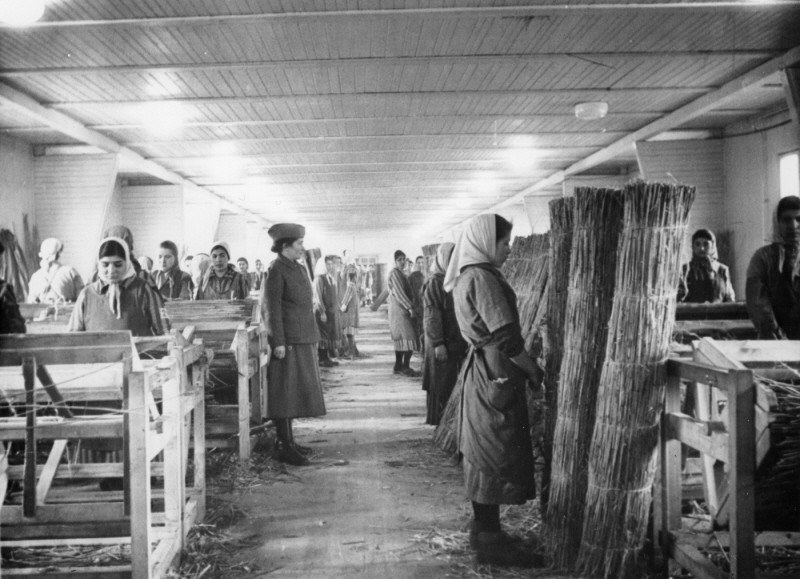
(171, 282)
(493, 428)
(222, 281)
(444, 346)
(294, 389)
(119, 299)
(124, 233)
(53, 282)
(350, 310)
(704, 279)
(401, 317)
(326, 309)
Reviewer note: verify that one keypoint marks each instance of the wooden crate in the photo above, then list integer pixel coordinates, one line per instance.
(737, 436)
(162, 406)
(231, 331)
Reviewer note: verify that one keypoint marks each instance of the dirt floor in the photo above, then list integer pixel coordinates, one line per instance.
(378, 500)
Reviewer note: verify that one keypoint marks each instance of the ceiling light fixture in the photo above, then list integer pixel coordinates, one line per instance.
(21, 12)
(591, 111)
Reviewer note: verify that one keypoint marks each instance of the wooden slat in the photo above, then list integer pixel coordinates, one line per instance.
(75, 513)
(71, 348)
(49, 471)
(695, 433)
(690, 558)
(82, 429)
(29, 490)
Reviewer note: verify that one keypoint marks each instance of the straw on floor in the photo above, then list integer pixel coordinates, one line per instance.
(561, 227)
(622, 458)
(598, 225)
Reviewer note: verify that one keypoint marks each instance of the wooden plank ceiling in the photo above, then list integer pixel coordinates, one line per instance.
(379, 116)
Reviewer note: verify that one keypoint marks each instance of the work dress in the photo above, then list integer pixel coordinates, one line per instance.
(350, 301)
(326, 300)
(492, 430)
(401, 325)
(417, 281)
(773, 298)
(174, 284)
(294, 389)
(59, 283)
(441, 328)
(231, 286)
(705, 281)
(139, 307)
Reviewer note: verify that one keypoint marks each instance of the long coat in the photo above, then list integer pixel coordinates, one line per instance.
(294, 389)
(326, 301)
(493, 428)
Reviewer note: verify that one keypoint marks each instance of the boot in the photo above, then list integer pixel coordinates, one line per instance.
(287, 453)
(494, 548)
(304, 450)
(324, 359)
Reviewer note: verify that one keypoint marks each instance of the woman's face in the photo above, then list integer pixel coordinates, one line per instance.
(789, 224)
(166, 259)
(502, 250)
(219, 259)
(111, 268)
(294, 251)
(400, 262)
(702, 247)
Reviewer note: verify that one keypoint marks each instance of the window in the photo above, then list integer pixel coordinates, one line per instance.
(790, 174)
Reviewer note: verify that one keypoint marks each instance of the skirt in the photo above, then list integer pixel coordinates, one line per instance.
(294, 389)
(403, 329)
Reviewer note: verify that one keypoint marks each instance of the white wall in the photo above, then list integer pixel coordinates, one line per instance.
(752, 192)
(153, 214)
(232, 229)
(73, 195)
(17, 200)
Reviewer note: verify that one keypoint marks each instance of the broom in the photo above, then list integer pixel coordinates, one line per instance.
(561, 225)
(598, 224)
(622, 458)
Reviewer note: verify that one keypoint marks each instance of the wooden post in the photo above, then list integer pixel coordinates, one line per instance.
(29, 490)
(742, 451)
(126, 455)
(670, 466)
(138, 428)
(703, 412)
(174, 469)
(199, 380)
(243, 366)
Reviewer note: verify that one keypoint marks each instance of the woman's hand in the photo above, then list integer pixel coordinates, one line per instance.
(343, 308)
(280, 352)
(323, 317)
(441, 353)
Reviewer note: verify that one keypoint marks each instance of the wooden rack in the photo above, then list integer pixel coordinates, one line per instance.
(739, 437)
(162, 407)
(721, 321)
(228, 328)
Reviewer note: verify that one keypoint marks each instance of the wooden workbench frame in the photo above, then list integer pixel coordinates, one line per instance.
(735, 445)
(156, 539)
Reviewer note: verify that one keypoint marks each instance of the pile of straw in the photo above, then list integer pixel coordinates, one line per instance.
(561, 228)
(598, 224)
(622, 459)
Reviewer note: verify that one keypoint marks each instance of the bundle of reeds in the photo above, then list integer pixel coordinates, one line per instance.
(526, 270)
(598, 224)
(622, 458)
(561, 228)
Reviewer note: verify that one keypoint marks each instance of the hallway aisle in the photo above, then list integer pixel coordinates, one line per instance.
(375, 481)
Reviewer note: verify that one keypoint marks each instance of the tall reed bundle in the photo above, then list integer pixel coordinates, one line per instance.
(598, 224)
(622, 458)
(561, 227)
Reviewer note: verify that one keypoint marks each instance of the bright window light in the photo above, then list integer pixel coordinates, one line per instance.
(163, 118)
(790, 174)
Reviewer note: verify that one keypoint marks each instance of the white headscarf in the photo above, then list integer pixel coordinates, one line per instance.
(113, 287)
(320, 267)
(476, 244)
(443, 254)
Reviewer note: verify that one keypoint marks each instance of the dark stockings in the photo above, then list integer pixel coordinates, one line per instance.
(398, 360)
(487, 517)
(351, 342)
(406, 359)
(283, 426)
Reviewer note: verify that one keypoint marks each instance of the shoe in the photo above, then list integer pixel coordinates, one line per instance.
(288, 454)
(397, 371)
(326, 364)
(411, 373)
(494, 549)
(504, 537)
(304, 450)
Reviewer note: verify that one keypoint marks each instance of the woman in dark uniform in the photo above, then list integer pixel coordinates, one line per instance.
(493, 430)
(294, 389)
(119, 299)
(444, 347)
(171, 281)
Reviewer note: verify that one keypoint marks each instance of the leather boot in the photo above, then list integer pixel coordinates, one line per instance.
(495, 549)
(304, 450)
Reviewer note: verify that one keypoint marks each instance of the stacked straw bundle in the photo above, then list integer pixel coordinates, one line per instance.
(561, 227)
(622, 459)
(598, 224)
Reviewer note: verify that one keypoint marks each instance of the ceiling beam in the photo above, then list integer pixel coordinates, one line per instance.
(75, 130)
(382, 96)
(450, 12)
(720, 97)
(596, 58)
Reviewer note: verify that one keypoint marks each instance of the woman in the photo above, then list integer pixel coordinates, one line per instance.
(244, 269)
(417, 280)
(222, 281)
(402, 317)
(350, 310)
(119, 299)
(293, 384)
(704, 279)
(53, 282)
(326, 303)
(493, 430)
(444, 347)
(171, 282)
